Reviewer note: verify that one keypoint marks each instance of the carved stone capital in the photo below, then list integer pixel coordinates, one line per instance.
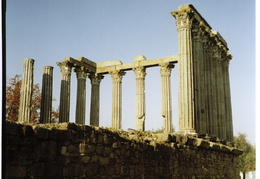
(139, 72)
(95, 78)
(117, 76)
(165, 68)
(216, 53)
(184, 18)
(81, 72)
(65, 68)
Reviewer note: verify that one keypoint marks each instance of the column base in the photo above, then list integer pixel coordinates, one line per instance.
(188, 132)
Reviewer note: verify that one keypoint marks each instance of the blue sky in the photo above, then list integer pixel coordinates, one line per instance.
(102, 30)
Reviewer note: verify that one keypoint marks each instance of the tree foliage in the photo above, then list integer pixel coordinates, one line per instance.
(13, 89)
(247, 160)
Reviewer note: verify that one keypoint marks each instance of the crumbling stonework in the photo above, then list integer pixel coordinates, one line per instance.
(69, 150)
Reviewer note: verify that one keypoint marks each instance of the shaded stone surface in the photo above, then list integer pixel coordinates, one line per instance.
(46, 99)
(109, 153)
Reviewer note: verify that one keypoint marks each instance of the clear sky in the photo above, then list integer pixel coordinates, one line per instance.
(101, 30)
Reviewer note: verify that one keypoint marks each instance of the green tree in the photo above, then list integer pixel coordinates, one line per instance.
(247, 160)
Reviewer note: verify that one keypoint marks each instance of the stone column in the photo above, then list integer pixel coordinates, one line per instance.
(213, 94)
(95, 94)
(220, 95)
(26, 91)
(81, 73)
(140, 98)
(65, 91)
(227, 97)
(46, 99)
(185, 66)
(199, 78)
(165, 70)
(207, 87)
(117, 99)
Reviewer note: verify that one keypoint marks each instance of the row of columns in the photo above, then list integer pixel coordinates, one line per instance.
(117, 76)
(204, 89)
(82, 73)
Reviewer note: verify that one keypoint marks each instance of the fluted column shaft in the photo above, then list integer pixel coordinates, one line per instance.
(199, 80)
(26, 91)
(81, 73)
(46, 99)
(140, 98)
(185, 67)
(65, 91)
(227, 97)
(207, 87)
(95, 98)
(117, 99)
(220, 95)
(213, 97)
(165, 70)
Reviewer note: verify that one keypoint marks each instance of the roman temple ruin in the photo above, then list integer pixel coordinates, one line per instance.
(204, 102)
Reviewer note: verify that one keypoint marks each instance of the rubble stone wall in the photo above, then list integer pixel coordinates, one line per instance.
(68, 150)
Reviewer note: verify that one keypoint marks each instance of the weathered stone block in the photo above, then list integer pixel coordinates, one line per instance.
(79, 170)
(68, 171)
(181, 139)
(108, 140)
(53, 170)
(42, 133)
(85, 159)
(103, 160)
(164, 137)
(91, 169)
(100, 149)
(28, 130)
(94, 159)
(14, 128)
(36, 170)
(16, 172)
(73, 150)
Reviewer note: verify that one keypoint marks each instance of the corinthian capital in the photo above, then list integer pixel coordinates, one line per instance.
(117, 76)
(81, 72)
(65, 67)
(139, 72)
(95, 78)
(184, 18)
(166, 68)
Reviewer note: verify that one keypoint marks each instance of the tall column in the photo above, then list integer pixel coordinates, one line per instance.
(95, 94)
(81, 73)
(165, 70)
(227, 96)
(199, 78)
(140, 98)
(46, 99)
(65, 68)
(185, 66)
(26, 91)
(209, 85)
(117, 99)
(213, 97)
(220, 94)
